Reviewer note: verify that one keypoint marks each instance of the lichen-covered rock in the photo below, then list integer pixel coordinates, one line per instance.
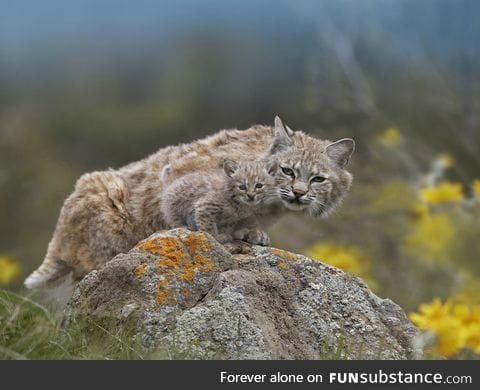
(185, 294)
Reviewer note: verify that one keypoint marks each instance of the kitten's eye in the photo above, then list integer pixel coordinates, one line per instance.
(288, 171)
(258, 185)
(242, 187)
(318, 179)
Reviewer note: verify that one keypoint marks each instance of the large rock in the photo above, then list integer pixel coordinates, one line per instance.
(183, 293)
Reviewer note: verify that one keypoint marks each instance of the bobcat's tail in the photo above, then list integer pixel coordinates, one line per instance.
(50, 270)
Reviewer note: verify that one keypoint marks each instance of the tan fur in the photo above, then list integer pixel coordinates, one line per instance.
(221, 203)
(110, 211)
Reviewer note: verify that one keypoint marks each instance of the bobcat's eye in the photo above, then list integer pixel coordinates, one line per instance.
(242, 187)
(288, 171)
(318, 179)
(258, 185)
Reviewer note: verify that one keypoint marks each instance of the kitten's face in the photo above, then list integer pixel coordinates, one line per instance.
(252, 184)
(311, 182)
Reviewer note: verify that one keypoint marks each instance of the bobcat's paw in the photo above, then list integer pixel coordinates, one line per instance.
(255, 236)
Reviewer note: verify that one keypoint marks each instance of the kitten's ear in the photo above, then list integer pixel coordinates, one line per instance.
(282, 136)
(230, 167)
(272, 167)
(341, 151)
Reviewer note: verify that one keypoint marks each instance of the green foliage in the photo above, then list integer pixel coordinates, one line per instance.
(29, 330)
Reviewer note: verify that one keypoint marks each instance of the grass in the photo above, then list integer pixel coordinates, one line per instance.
(29, 330)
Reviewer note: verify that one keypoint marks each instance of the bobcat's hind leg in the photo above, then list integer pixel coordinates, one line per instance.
(92, 228)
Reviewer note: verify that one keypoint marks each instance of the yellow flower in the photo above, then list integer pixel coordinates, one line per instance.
(473, 340)
(430, 313)
(9, 270)
(476, 188)
(437, 318)
(430, 236)
(451, 335)
(390, 138)
(350, 259)
(455, 326)
(444, 192)
(470, 317)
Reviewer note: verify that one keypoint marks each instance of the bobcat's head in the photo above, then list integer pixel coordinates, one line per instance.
(311, 174)
(251, 183)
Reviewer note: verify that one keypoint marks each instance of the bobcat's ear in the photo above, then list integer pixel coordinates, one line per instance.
(230, 167)
(341, 151)
(282, 138)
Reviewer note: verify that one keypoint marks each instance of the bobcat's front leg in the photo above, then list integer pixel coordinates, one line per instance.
(251, 232)
(205, 219)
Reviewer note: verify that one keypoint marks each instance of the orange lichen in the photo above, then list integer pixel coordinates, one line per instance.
(200, 263)
(140, 270)
(283, 254)
(163, 295)
(188, 275)
(160, 245)
(178, 260)
(197, 242)
(283, 265)
(172, 258)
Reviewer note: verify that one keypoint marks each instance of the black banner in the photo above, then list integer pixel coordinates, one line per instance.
(241, 374)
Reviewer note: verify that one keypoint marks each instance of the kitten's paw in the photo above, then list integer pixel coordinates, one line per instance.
(255, 237)
(223, 238)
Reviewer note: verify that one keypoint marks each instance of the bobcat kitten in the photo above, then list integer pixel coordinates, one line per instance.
(220, 203)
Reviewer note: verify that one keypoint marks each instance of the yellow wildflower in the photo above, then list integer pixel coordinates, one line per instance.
(476, 188)
(470, 317)
(444, 192)
(390, 138)
(451, 336)
(9, 270)
(455, 326)
(430, 313)
(350, 259)
(473, 340)
(431, 235)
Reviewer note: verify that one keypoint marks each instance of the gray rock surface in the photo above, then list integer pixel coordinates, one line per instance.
(186, 295)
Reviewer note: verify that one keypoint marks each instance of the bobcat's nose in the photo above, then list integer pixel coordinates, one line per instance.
(299, 191)
(251, 196)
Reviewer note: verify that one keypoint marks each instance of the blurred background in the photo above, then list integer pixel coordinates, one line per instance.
(89, 85)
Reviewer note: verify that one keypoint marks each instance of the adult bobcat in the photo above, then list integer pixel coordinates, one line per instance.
(110, 211)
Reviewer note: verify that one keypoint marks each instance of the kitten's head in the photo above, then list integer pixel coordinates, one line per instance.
(251, 183)
(311, 174)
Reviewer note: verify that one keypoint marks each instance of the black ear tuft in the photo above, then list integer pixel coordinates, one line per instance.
(282, 137)
(341, 151)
